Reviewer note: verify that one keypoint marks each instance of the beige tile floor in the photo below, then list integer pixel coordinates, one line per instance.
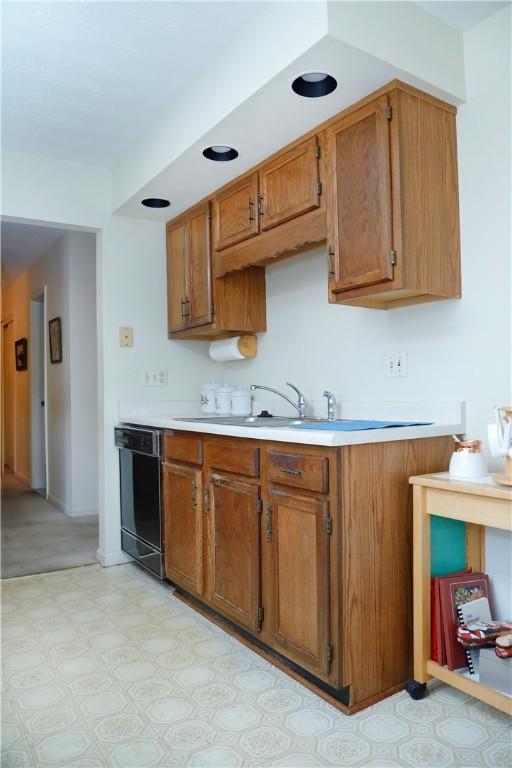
(105, 667)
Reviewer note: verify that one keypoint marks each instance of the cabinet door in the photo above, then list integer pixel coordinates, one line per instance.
(289, 184)
(299, 531)
(360, 205)
(176, 277)
(235, 212)
(234, 539)
(199, 277)
(183, 525)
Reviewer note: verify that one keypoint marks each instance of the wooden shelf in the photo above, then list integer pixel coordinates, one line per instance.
(479, 505)
(473, 687)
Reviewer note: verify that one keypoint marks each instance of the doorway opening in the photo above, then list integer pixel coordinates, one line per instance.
(49, 403)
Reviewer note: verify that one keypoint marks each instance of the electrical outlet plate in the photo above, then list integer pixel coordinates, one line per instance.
(396, 364)
(156, 377)
(126, 336)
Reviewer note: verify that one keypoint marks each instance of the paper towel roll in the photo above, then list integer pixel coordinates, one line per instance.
(233, 349)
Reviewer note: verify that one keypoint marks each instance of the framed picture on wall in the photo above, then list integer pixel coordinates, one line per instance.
(55, 331)
(20, 351)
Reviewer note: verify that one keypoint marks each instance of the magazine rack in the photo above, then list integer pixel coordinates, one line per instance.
(478, 505)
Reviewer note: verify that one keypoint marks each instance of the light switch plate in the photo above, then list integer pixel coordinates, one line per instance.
(125, 336)
(396, 364)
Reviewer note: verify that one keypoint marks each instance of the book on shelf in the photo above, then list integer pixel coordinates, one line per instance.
(475, 610)
(437, 642)
(455, 591)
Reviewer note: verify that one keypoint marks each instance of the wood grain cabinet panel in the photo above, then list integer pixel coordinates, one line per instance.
(234, 542)
(289, 184)
(360, 210)
(183, 522)
(199, 279)
(180, 447)
(392, 201)
(237, 457)
(300, 536)
(310, 472)
(176, 277)
(199, 305)
(235, 212)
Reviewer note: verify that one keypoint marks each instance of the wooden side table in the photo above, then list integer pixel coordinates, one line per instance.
(478, 505)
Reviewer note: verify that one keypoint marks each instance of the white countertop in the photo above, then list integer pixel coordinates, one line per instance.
(450, 421)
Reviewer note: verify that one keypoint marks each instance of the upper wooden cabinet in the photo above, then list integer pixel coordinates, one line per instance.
(274, 212)
(235, 212)
(392, 202)
(200, 306)
(378, 183)
(290, 184)
(360, 210)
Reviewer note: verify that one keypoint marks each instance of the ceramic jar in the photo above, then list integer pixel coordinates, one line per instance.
(467, 462)
(208, 396)
(241, 402)
(223, 400)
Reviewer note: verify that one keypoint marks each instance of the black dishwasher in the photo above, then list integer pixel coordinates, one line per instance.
(140, 459)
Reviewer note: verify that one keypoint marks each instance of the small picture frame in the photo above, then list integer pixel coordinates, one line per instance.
(20, 351)
(55, 332)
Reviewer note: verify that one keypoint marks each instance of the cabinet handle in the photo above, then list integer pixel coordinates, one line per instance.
(260, 206)
(268, 522)
(294, 472)
(194, 496)
(251, 210)
(330, 262)
(206, 497)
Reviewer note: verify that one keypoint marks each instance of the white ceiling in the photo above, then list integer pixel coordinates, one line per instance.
(461, 14)
(22, 245)
(84, 80)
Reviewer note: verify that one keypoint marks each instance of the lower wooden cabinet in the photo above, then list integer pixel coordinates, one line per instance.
(183, 526)
(299, 531)
(234, 549)
(305, 548)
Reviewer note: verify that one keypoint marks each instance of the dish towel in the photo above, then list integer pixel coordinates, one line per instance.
(355, 426)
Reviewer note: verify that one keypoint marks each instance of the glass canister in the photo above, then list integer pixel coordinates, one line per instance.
(467, 462)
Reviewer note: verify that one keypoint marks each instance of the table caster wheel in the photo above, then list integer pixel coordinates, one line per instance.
(416, 690)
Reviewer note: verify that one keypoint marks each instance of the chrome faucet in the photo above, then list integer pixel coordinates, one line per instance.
(331, 405)
(300, 405)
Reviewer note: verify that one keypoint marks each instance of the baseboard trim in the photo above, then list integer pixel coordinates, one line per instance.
(22, 478)
(107, 559)
(81, 512)
(58, 503)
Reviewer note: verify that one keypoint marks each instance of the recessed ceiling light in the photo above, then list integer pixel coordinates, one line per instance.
(314, 84)
(220, 153)
(156, 202)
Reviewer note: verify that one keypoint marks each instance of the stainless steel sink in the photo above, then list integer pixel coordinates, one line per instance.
(252, 421)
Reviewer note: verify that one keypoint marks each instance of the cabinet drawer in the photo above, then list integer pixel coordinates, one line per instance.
(183, 448)
(299, 471)
(231, 457)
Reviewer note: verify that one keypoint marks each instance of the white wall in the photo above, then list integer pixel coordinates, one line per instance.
(83, 373)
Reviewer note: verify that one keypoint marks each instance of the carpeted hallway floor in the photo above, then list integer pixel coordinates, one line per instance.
(37, 537)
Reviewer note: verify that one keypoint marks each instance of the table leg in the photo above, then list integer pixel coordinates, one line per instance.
(421, 584)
